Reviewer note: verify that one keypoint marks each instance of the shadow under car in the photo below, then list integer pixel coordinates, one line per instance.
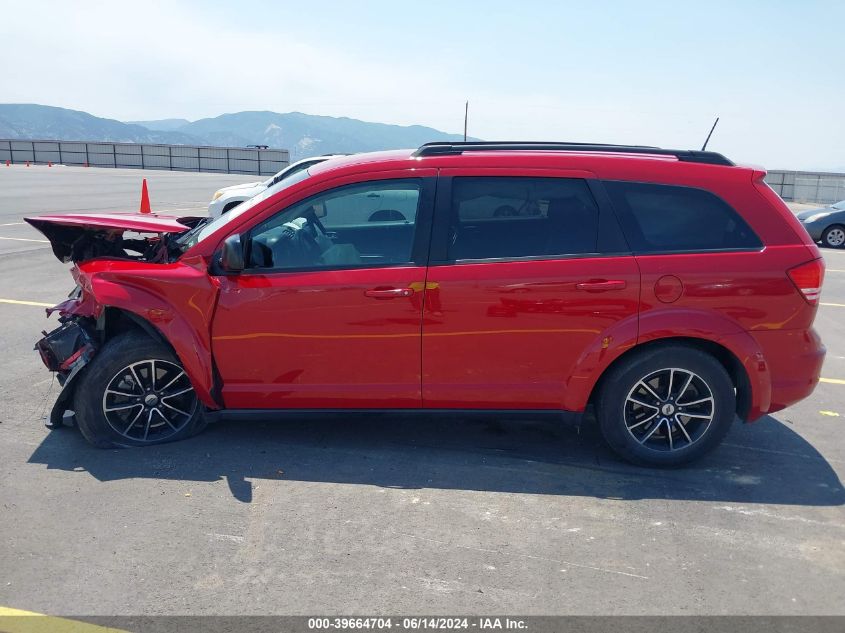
(761, 463)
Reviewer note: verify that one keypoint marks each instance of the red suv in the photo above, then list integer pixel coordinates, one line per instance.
(670, 289)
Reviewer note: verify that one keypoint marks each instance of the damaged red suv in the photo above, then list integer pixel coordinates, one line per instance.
(670, 289)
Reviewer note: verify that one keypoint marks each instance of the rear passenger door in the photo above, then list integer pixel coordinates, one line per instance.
(526, 275)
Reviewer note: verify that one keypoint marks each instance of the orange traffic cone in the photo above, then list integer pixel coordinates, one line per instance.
(145, 198)
(27, 163)
(49, 163)
(8, 162)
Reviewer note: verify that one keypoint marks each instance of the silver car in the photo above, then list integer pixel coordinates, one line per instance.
(826, 224)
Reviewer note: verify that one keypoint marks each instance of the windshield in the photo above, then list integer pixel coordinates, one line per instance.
(204, 229)
(839, 205)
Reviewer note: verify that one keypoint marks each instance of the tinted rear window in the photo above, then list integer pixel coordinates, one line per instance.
(503, 217)
(665, 218)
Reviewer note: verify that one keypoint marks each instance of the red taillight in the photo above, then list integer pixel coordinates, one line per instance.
(808, 279)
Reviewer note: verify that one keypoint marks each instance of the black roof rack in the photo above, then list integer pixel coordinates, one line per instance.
(686, 155)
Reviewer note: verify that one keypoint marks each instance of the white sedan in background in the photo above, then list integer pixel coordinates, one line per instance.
(227, 198)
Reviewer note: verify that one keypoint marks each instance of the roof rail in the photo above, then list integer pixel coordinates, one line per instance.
(686, 155)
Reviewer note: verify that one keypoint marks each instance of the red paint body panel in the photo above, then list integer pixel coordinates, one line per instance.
(511, 335)
(728, 294)
(177, 299)
(119, 221)
(311, 340)
(795, 360)
(499, 335)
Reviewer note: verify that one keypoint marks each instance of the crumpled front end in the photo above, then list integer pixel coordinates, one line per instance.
(66, 351)
(171, 302)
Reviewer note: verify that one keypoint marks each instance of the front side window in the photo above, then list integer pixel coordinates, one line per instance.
(514, 217)
(369, 224)
(665, 218)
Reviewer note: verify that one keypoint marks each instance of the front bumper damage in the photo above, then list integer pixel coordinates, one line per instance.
(66, 351)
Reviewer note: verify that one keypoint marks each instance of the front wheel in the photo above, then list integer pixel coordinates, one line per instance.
(136, 393)
(666, 406)
(834, 236)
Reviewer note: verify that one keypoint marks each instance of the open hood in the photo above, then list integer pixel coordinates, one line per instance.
(78, 237)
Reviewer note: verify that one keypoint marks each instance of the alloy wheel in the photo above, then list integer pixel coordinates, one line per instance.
(149, 401)
(835, 237)
(669, 409)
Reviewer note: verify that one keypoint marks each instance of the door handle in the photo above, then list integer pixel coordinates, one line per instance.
(388, 293)
(601, 285)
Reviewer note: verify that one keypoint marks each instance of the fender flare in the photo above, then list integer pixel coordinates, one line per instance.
(706, 327)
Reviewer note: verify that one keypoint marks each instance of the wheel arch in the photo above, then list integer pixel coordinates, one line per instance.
(231, 205)
(728, 359)
(115, 320)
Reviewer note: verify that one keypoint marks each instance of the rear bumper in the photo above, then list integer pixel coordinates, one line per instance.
(794, 358)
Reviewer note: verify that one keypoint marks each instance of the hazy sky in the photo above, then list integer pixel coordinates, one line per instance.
(644, 72)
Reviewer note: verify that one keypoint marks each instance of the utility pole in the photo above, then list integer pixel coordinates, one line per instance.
(466, 117)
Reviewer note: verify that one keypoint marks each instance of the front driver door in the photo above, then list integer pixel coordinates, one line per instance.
(328, 312)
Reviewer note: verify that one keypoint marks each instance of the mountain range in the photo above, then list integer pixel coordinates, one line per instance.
(303, 134)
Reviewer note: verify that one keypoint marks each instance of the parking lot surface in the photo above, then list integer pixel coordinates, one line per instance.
(383, 514)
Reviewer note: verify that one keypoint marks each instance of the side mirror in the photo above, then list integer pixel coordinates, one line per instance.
(232, 255)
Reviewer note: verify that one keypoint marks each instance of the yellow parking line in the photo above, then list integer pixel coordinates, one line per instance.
(37, 304)
(20, 621)
(24, 239)
(13, 224)
(832, 381)
(833, 305)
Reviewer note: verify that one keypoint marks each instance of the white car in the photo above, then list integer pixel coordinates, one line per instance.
(227, 198)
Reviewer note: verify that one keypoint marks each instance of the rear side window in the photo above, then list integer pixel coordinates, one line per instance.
(666, 218)
(495, 218)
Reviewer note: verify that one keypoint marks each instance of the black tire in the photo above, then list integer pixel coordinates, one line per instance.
(229, 207)
(688, 438)
(91, 399)
(834, 236)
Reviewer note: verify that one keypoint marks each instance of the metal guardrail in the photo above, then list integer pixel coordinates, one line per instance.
(794, 186)
(807, 186)
(231, 160)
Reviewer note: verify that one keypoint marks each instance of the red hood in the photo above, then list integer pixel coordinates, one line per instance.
(142, 223)
(81, 236)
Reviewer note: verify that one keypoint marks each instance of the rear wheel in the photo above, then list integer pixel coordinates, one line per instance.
(230, 206)
(666, 406)
(834, 236)
(136, 393)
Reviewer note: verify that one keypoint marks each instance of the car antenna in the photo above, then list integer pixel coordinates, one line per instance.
(466, 117)
(707, 140)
